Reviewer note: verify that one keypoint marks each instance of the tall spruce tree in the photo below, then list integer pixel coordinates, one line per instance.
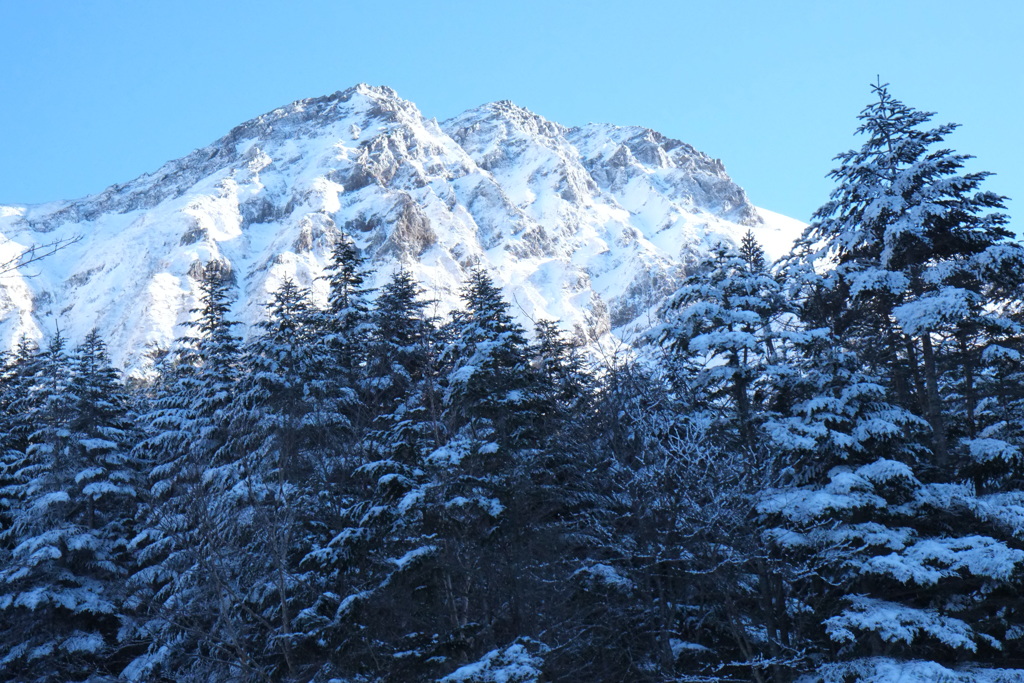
(346, 323)
(727, 333)
(340, 336)
(183, 583)
(488, 386)
(903, 282)
(386, 547)
(480, 480)
(19, 374)
(722, 331)
(61, 583)
(921, 262)
(285, 431)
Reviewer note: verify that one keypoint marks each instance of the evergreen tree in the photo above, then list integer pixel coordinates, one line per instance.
(346, 321)
(722, 332)
(902, 283)
(728, 332)
(487, 394)
(895, 573)
(385, 546)
(480, 480)
(183, 581)
(616, 624)
(284, 434)
(19, 375)
(921, 262)
(564, 382)
(61, 581)
(996, 449)
(103, 433)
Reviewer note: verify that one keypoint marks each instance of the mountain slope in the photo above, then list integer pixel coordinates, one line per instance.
(590, 225)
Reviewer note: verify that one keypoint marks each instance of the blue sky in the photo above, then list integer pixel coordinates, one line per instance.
(96, 93)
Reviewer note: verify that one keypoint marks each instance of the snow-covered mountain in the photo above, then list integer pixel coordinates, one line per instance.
(591, 225)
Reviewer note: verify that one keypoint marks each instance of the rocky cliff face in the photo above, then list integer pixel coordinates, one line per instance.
(589, 225)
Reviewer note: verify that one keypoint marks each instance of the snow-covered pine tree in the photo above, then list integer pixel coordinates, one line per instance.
(285, 433)
(61, 582)
(981, 376)
(345, 325)
(347, 295)
(593, 636)
(549, 487)
(402, 385)
(381, 553)
(561, 483)
(490, 372)
(996, 448)
(668, 577)
(721, 330)
(900, 574)
(828, 410)
(481, 478)
(614, 626)
(890, 286)
(334, 342)
(181, 585)
(401, 373)
(752, 253)
(831, 419)
(727, 334)
(103, 433)
(565, 384)
(920, 263)
(342, 332)
(19, 374)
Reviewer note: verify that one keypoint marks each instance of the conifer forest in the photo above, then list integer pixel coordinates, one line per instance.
(808, 470)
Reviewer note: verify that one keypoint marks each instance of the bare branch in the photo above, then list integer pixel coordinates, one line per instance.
(37, 253)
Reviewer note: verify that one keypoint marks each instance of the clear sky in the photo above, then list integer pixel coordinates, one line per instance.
(98, 92)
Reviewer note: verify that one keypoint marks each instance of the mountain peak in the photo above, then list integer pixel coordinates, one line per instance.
(308, 116)
(503, 115)
(382, 91)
